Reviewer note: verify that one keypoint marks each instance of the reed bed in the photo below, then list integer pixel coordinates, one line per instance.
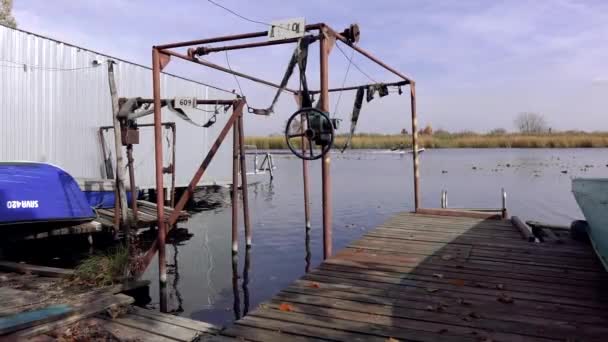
(455, 140)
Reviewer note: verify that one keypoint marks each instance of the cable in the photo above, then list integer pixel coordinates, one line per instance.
(354, 64)
(245, 18)
(18, 65)
(235, 78)
(344, 82)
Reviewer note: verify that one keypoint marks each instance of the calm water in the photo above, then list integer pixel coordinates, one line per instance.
(368, 187)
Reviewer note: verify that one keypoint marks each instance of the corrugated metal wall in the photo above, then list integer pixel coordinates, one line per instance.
(52, 108)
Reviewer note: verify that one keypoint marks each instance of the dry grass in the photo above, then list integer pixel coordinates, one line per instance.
(104, 268)
(456, 140)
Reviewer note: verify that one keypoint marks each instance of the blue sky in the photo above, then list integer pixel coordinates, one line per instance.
(477, 64)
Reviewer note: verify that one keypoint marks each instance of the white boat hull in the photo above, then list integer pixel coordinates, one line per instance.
(592, 197)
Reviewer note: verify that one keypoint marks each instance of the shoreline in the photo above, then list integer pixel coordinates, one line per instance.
(452, 140)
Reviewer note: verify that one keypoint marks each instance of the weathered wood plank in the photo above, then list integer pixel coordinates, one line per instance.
(34, 269)
(176, 320)
(157, 327)
(79, 313)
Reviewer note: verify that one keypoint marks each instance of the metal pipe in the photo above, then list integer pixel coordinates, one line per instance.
(304, 146)
(244, 183)
(165, 124)
(367, 54)
(325, 166)
(227, 38)
(392, 84)
(238, 109)
(203, 50)
(132, 185)
(226, 70)
(415, 147)
(163, 102)
(160, 203)
(235, 187)
(504, 203)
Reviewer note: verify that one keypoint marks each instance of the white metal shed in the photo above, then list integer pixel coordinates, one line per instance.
(54, 97)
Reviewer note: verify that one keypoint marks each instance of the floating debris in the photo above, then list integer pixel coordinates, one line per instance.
(444, 171)
(564, 171)
(474, 167)
(508, 165)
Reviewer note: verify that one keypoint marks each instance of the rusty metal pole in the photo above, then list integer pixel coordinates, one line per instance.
(415, 147)
(132, 185)
(235, 187)
(160, 198)
(326, 163)
(244, 182)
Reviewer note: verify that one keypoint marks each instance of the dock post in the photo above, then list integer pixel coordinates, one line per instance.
(160, 198)
(326, 163)
(235, 187)
(415, 146)
(244, 182)
(120, 177)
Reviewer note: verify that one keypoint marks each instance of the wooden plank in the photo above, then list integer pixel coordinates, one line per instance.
(366, 331)
(459, 213)
(83, 311)
(157, 327)
(409, 298)
(176, 320)
(405, 285)
(33, 269)
(411, 322)
(126, 333)
(264, 335)
(28, 319)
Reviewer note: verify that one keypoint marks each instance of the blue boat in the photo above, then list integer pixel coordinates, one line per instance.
(32, 192)
(100, 193)
(591, 194)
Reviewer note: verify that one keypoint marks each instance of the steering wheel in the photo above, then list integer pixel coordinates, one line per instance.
(309, 133)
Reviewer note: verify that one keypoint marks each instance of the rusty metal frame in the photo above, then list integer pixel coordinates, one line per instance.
(161, 55)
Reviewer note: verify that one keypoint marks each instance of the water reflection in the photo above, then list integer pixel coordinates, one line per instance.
(244, 284)
(246, 280)
(235, 287)
(308, 253)
(174, 269)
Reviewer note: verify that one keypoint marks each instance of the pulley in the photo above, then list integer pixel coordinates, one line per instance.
(312, 127)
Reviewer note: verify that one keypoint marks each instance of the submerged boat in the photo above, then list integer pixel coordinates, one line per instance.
(592, 197)
(100, 193)
(32, 192)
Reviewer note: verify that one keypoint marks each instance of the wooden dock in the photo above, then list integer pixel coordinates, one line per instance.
(440, 278)
(104, 223)
(38, 304)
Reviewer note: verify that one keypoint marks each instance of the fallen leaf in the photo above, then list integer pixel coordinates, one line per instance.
(447, 257)
(285, 307)
(438, 275)
(504, 298)
(431, 289)
(390, 339)
(457, 282)
(314, 285)
(464, 302)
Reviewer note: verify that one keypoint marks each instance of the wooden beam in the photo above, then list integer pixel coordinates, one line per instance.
(459, 213)
(524, 229)
(34, 269)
